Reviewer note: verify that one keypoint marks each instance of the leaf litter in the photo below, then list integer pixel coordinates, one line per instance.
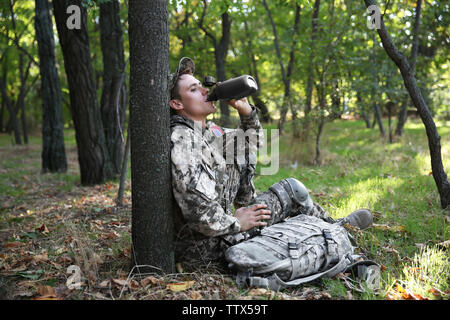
(47, 229)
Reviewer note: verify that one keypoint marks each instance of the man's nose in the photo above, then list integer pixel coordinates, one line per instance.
(205, 90)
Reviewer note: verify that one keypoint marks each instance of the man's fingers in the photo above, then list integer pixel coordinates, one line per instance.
(263, 217)
(258, 206)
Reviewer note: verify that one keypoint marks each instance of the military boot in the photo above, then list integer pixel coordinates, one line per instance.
(361, 218)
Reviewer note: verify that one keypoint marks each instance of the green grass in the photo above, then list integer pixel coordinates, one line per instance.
(363, 170)
(360, 169)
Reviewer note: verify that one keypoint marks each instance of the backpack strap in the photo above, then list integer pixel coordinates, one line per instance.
(273, 282)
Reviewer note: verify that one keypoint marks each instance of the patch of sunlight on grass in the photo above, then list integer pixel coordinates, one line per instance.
(427, 275)
(365, 194)
(423, 163)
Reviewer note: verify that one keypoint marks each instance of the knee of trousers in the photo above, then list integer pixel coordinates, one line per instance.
(293, 195)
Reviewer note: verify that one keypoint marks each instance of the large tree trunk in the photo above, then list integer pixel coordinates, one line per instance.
(403, 114)
(95, 165)
(153, 203)
(53, 149)
(434, 140)
(113, 100)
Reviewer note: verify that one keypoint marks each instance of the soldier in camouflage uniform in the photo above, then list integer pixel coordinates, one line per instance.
(207, 182)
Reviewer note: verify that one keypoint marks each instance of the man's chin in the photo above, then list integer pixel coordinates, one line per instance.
(214, 108)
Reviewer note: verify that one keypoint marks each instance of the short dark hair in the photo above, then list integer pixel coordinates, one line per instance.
(175, 92)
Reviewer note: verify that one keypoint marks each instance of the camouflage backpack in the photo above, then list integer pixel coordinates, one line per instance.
(299, 250)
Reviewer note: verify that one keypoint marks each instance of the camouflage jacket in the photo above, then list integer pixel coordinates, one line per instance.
(210, 174)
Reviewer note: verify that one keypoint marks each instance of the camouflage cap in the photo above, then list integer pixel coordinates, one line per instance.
(185, 65)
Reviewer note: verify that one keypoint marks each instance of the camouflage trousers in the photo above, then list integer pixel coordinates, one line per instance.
(212, 249)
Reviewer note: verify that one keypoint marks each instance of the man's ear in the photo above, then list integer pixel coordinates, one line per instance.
(176, 104)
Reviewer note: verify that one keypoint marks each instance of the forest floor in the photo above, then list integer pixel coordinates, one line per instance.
(52, 229)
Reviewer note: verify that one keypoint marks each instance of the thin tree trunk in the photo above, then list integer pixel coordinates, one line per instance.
(389, 107)
(376, 106)
(285, 76)
(310, 73)
(21, 98)
(2, 112)
(220, 54)
(123, 174)
(113, 100)
(310, 79)
(363, 111)
(12, 113)
(434, 140)
(403, 114)
(152, 199)
(53, 149)
(265, 116)
(318, 158)
(93, 157)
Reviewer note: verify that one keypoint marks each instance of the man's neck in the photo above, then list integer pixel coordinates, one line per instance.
(199, 119)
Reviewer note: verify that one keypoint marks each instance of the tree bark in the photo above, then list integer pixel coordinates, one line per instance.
(53, 149)
(113, 101)
(152, 198)
(434, 140)
(95, 165)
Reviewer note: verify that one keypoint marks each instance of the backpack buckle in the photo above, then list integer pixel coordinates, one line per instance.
(329, 242)
(293, 250)
(327, 234)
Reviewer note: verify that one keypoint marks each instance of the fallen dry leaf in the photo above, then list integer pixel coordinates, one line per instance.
(259, 292)
(180, 286)
(47, 293)
(150, 280)
(104, 284)
(120, 282)
(43, 229)
(133, 284)
(385, 227)
(435, 292)
(12, 245)
(196, 295)
(41, 258)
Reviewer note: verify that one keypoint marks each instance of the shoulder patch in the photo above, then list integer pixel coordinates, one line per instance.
(218, 132)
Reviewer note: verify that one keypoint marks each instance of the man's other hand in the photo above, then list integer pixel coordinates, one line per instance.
(252, 216)
(242, 106)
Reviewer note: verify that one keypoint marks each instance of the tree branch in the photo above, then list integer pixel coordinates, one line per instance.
(200, 24)
(18, 46)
